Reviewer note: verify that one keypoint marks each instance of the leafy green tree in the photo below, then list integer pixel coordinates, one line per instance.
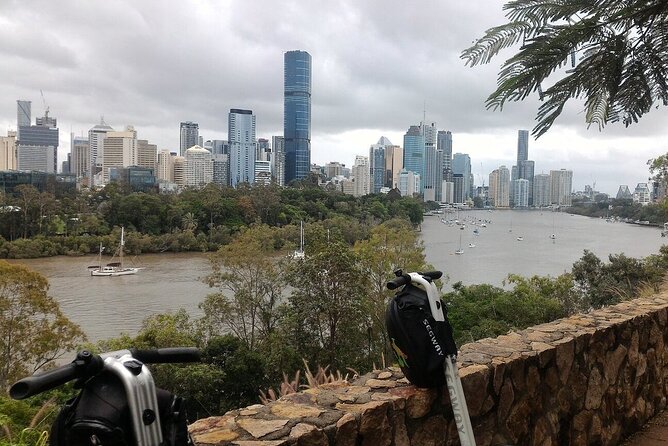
(621, 279)
(621, 50)
(392, 245)
(479, 311)
(33, 330)
(250, 283)
(326, 308)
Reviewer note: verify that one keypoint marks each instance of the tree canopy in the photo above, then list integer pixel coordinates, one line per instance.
(33, 330)
(612, 54)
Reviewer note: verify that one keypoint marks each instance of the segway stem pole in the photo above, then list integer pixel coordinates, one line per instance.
(455, 390)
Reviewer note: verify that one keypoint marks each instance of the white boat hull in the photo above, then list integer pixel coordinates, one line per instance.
(115, 272)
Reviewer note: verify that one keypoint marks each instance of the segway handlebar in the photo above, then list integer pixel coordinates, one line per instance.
(87, 365)
(404, 279)
(166, 355)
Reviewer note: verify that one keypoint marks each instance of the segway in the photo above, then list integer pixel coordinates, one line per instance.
(422, 342)
(118, 404)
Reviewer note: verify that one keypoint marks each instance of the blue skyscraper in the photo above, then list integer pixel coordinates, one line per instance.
(461, 165)
(297, 114)
(414, 151)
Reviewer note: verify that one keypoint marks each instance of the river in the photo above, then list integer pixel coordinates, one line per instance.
(106, 306)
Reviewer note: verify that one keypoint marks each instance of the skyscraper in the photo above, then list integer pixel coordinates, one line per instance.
(96, 143)
(37, 147)
(361, 175)
(80, 162)
(499, 187)
(461, 165)
(297, 114)
(198, 167)
(377, 159)
(414, 151)
(8, 151)
(241, 135)
(522, 147)
(189, 136)
(561, 184)
(433, 164)
(444, 144)
(23, 115)
(541, 190)
(119, 150)
(394, 162)
(278, 160)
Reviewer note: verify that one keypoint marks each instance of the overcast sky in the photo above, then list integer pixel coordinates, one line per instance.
(378, 65)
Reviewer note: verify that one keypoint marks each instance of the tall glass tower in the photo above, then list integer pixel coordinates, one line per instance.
(297, 114)
(522, 147)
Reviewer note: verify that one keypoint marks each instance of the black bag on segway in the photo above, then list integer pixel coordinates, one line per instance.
(100, 415)
(419, 342)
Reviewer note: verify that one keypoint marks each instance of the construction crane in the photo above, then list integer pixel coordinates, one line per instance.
(46, 107)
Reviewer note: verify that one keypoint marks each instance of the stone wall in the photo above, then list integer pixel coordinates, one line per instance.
(587, 379)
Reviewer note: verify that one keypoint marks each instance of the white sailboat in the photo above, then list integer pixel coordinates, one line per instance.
(299, 254)
(113, 268)
(460, 251)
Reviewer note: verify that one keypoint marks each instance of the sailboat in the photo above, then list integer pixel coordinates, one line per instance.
(299, 254)
(460, 250)
(114, 268)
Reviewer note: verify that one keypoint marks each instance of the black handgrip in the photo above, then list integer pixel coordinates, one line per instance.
(399, 281)
(32, 385)
(165, 355)
(433, 275)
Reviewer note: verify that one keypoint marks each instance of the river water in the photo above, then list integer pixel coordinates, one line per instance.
(106, 306)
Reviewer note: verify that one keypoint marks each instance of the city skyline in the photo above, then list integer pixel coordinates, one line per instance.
(147, 79)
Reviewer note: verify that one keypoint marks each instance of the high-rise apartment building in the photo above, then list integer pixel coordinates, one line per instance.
(499, 187)
(432, 182)
(119, 150)
(414, 151)
(80, 160)
(241, 135)
(409, 183)
(165, 169)
(362, 176)
(333, 169)
(377, 159)
(180, 170)
(37, 146)
(394, 162)
(8, 151)
(526, 171)
(520, 193)
(461, 165)
(96, 137)
(147, 155)
(189, 136)
(541, 190)
(444, 144)
(297, 114)
(263, 172)
(278, 160)
(198, 167)
(561, 186)
(642, 194)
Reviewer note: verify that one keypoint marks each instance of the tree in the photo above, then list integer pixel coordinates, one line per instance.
(329, 325)
(391, 246)
(33, 330)
(621, 50)
(248, 269)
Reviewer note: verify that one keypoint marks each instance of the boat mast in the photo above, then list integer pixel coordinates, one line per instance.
(121, 248)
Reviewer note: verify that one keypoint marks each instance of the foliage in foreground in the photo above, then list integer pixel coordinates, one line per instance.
(331, 313)
(611, 54)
